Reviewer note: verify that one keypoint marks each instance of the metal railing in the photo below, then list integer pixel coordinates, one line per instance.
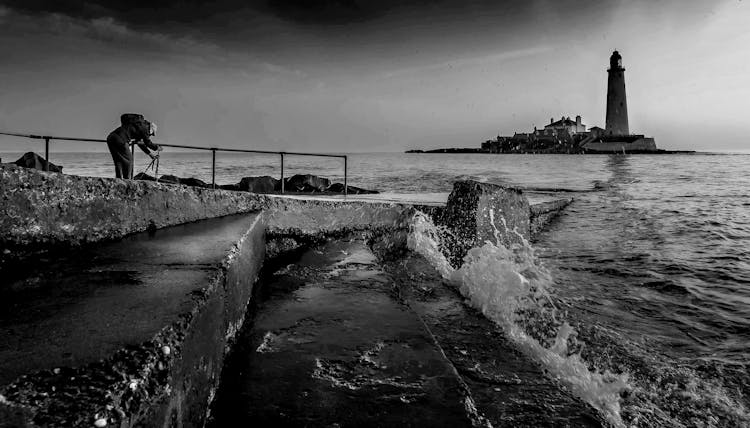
(48, 138)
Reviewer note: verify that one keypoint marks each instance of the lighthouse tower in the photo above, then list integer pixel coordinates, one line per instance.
(616, 122)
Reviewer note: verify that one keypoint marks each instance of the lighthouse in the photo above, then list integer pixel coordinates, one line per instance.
(616, 122)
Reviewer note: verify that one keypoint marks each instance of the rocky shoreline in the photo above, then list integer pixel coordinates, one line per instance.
(299, 183)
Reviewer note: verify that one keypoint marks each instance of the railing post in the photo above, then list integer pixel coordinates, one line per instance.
(282, 172)
(213, 168)
(132, 159)
(46, 153)
(346, 168)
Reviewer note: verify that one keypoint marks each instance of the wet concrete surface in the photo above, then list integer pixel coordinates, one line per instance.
(80, 307)
(331, 345)
(509, 389)
(340, 338)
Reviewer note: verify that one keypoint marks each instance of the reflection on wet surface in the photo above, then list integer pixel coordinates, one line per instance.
(339, 339)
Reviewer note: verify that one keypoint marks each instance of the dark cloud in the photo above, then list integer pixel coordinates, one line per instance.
(339, 11)
(144, 12)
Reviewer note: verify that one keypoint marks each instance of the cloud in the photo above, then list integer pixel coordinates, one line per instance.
(103, 29)
(280, 70)
(196, 11)
(468, 62)
(56, 33)
(109, 30)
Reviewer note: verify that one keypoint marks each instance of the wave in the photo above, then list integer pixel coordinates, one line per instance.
(511, 287)
(666, 287)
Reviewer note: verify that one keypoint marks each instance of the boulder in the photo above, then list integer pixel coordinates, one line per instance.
(361, 191)
(144, 176)
(33, 160)
(306, 183)
(191, 181)
(169, 179)
(479, 212)
(235, 187)
(339, 188)
(264, 184)
(194, 182)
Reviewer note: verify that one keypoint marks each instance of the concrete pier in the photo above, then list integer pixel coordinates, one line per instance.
(331, 346)
(344, 338)
(118, 307)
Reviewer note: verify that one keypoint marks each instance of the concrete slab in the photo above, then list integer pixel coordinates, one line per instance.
(83, 306)
(332, 346)
(184, 287)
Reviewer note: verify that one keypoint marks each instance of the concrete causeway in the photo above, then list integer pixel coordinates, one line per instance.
(342, 338)
(332, 346)
(121, 302)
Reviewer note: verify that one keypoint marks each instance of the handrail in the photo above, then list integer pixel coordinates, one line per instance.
(48, 138)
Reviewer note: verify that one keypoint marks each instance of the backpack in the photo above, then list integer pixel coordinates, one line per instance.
(142, 126)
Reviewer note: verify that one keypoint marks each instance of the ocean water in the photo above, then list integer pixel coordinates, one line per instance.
(637, 298)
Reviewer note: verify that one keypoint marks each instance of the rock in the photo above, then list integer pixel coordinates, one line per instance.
(361, 191)
(230, 187)
(173, 179)
(33, 160)
(478, 212)
(144, 176)
(306, 183)
(339, 188)
(264, 184)
(194, 182)
(169, 179)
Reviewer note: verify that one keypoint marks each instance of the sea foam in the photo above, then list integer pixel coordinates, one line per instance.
(512, 288)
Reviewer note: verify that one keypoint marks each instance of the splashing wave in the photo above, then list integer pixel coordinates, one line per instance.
(511, 287)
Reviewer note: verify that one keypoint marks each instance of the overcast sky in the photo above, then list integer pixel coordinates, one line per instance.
(371, 75)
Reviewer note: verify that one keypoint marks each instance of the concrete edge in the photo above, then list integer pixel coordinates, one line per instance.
(169, 378)
(46, 212)
(542, 214)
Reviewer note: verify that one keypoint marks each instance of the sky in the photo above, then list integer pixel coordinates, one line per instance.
(371, 75)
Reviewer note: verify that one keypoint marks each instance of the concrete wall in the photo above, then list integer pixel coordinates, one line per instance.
(306, 217)
(206, 339)
(617, 147)
(41, 208)
(143, 384)
(477, 212)
(542, 214)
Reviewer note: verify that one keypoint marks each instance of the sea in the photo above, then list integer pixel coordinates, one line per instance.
(642, 284)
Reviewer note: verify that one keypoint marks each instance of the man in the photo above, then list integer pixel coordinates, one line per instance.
(133, 127)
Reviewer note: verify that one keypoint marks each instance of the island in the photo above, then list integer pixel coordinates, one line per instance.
(568, 136)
